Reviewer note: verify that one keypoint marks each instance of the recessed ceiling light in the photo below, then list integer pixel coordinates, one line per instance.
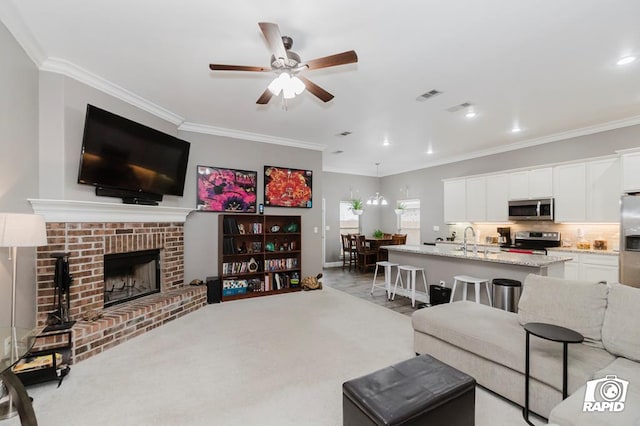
(430, 151)
(626, 60)
(470, 114)
(386, 143)
(516, 129)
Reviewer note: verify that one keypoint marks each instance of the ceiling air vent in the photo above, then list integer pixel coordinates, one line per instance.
(428, 95)
(338, 152)
(344, 134)
(459, 107)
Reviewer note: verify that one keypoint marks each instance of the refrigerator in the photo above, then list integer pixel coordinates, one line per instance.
(630, 240)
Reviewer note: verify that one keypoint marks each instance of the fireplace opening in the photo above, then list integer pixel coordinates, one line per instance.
(128, 276)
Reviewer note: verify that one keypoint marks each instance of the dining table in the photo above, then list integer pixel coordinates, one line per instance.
(376, 243)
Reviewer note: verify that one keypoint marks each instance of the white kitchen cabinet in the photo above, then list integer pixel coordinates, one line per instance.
(603, 190)
(570, 192)
(589, 267)
(476, 201)
(455, 201)
(541, 182)
(497, 196)
(534, 183)
(630, 175)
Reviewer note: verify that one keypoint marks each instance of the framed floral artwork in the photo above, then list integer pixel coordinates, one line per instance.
(226, 190)
(284, 187)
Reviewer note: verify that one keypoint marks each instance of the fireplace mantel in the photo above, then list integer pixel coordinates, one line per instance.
(91, 211)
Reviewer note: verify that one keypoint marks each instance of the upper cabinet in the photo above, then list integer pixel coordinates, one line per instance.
(455, 200)
(630, 175)
(497, 196)
(476, 201)
(527, 184)
(587, 192)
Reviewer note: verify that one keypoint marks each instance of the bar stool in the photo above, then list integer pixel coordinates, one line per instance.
(411, 281)
(387, 276)
(466, 279)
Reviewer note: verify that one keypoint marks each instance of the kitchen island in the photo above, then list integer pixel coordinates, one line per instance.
(442, 264)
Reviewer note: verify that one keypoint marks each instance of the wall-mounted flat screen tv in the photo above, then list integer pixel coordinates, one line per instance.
(285, 187)
(128, 159)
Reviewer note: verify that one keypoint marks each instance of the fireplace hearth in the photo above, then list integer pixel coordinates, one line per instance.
(131, 275)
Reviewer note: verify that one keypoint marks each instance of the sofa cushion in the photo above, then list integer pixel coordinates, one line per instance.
(577, 305)
(621, 335)
(570, 411)
(497, 335)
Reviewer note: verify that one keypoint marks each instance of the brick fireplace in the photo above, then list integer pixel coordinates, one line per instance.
(88, 241)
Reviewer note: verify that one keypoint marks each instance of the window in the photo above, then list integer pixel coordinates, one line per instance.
(349, 222)
(409, 221)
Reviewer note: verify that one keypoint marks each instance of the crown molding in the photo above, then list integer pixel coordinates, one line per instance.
(71, 70)
(11, 18)
(556, 137)
(91, 211)
(255, 137)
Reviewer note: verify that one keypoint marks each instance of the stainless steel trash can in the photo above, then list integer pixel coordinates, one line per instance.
(506, 294)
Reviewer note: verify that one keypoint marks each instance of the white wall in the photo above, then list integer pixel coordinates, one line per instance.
(18, 169)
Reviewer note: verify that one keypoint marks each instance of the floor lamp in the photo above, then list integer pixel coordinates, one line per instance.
(19, 230)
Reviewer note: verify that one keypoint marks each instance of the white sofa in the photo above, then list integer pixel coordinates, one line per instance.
(489, 344)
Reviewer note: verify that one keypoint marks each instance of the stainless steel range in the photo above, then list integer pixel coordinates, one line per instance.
(533, 242)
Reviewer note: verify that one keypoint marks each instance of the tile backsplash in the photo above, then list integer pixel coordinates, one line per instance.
(570, 233)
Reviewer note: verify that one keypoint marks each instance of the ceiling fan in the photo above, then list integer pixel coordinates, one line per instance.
(287, 65)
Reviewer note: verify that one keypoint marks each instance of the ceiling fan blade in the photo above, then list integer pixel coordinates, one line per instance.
(343, 58)
(265, 97)
(274, 39)
(219, 67)
(316, 90)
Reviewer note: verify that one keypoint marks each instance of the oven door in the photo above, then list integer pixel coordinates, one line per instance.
(540, 209)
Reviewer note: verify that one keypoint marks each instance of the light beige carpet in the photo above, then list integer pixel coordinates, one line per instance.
(278, 360)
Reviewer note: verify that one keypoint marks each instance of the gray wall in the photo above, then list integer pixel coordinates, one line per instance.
(201, 228)
(18, 169)
(343, 187)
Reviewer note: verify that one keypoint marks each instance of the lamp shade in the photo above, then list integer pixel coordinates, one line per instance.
(22, 230)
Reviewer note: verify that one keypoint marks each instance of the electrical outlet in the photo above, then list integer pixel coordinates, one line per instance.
(436, 228)
(7, 345)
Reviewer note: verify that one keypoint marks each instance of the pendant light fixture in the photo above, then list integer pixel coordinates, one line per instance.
(377, 200)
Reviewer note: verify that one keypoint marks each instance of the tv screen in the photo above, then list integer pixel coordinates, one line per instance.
(118, 153)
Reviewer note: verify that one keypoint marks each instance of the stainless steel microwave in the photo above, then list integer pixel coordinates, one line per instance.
(538, 209)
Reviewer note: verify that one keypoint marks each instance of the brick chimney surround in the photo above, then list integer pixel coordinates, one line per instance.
(90, 230)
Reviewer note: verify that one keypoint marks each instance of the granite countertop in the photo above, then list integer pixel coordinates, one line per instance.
(534, 260)
(590, 251)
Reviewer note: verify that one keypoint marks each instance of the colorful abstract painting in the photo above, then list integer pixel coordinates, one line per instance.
(226, 190)
(285, 187)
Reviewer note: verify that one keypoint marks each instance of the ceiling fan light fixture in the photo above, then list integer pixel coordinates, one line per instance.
(289, 86)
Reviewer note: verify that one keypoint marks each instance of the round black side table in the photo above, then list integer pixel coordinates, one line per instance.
(554, 333)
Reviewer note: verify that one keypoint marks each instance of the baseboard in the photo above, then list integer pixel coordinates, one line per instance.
(332, 264)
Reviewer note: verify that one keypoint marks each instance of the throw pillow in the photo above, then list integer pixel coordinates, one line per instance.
(620, 331)
(573, 304)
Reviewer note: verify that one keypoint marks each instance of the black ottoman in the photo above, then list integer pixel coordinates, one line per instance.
(418, 391)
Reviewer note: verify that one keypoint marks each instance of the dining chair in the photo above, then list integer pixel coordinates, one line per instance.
(350, 254)
(367, 256)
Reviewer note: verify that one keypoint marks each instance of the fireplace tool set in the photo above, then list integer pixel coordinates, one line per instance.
(59, 319)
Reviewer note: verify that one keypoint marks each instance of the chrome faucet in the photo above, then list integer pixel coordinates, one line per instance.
(464, 239)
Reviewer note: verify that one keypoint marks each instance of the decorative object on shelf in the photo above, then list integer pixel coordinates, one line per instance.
(291, 227)
(253, 265)
(270, 246)
(356, 206)
(400, 208)
(377, 200)
(275, 228)
(285, 187)
(226, 190)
